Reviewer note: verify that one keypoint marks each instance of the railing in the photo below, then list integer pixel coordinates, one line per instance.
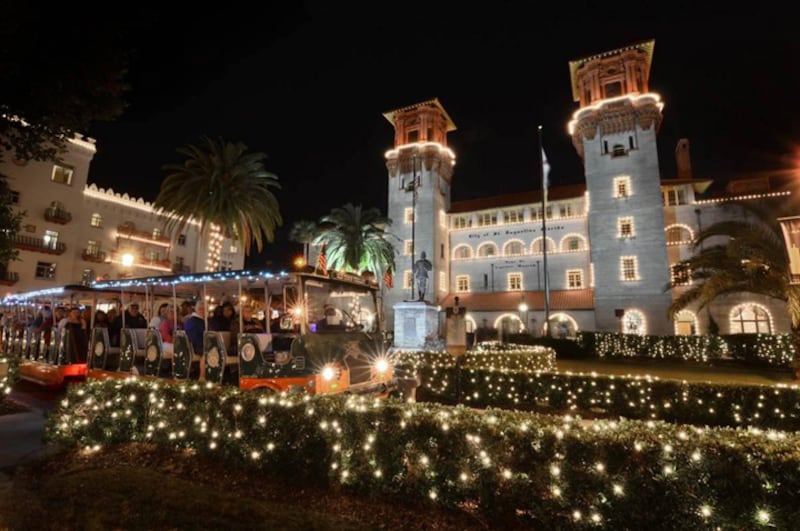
(140, 261)
(93, 255)
(57, 215)
(7, 278)
(141, 235)
(29, 243)
(180, 269)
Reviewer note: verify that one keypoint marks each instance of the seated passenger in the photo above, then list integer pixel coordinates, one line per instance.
(332, 320)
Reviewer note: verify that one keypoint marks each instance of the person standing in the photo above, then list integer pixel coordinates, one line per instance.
(195, 327)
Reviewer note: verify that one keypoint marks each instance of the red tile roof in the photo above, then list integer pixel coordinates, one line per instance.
(560, 300)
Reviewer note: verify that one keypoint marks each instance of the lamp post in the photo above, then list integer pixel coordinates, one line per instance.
(523, 314)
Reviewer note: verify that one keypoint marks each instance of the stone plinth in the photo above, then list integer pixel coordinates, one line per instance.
(414, 324)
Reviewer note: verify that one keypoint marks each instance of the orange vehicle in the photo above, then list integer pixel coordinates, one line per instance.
(314, 334)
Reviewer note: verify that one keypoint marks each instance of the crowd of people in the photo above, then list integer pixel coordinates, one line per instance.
(191, 318)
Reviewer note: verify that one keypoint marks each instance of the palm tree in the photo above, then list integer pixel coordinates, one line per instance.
(355, 240)
(221, 185)
(753, 259)
(304, 232)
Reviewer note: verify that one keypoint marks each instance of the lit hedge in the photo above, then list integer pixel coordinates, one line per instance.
(11, 376)
(703, 404)
(491, 356)
(755, 349)
(515, 469)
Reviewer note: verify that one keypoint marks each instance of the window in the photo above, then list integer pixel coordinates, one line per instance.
(513, 215)
(536, 213)
(441, 250)
(514, 248)
(233, 249)
(462, 222)
(407, 247)
(46, 270)
(87, 276)
(97, 220)
(487, 218)
(462, 252)
(565, 210)
(442, 219)
(633, 323)
(486, 250)
(407, 279)
(515, 282)
(413, 136)
(750, 318)
(442, 281)
(408, 215)
(625, 227)
(62, 174)
(152, 256)
(675, 196)
(51, 239)
(619, 150)
(156, 234)
(685, 323)
(575, 278)
(679, 234)
(462, 283)
(538, 246)
(92, 248)
(605, 147)
(629, 268)
(430, 134)
(630, 142)
(680, 274)
(571, 243)
(622, 186)
(13, 196)
(182, 239)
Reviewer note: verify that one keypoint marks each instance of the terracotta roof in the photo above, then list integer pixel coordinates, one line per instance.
(519, 198)
(560, 300)
(644, 46)
(392, 115)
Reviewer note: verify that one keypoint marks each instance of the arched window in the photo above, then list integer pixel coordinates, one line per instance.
(633, 323)
(750, 318)
(537, 247)
(97, 220)
(508, 323)
(462, 252)
(487, 249)
(514, 248)
(563, 326)
(572, 242)
(679, 233)
(685, 323)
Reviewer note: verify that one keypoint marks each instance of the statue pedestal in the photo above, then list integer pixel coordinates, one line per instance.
(415, 323)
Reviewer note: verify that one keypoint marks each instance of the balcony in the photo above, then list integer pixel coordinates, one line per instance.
(39, 245)
(127, 232)
(7, 278)
(57, 215)
(94, 255)
(180, 269)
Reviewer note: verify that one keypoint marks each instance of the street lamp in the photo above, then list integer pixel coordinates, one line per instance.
(523, 313)
(299, 262)
(127, 259)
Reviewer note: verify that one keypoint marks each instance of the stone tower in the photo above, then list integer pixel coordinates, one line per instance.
(420, 151)
(614, 132)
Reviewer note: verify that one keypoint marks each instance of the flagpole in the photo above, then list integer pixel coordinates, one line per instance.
(544, 238)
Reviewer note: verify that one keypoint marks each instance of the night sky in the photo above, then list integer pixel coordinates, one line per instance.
(307, 85)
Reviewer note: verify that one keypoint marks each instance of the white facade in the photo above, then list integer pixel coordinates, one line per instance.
(610, 245)
(74, 232)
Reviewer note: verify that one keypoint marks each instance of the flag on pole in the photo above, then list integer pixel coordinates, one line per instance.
(545, 173)
(387, 279)
(322, 261)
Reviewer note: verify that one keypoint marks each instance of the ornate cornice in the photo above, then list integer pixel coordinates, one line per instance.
(431, 155)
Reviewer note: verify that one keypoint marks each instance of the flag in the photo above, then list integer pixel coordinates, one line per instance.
(545, 172)
(322, 261)
(387, 279)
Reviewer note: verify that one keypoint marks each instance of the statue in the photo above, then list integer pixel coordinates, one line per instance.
(421, 268)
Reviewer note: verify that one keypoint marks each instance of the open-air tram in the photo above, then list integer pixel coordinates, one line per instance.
(308, 333)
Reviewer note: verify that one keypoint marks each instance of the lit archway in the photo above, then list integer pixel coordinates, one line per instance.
(562, 326)
(514, 248)
(508, 323)
(462, 252)
(537, 247)
(487, 249)
(572, 242)
(678, 233)
(470, 324)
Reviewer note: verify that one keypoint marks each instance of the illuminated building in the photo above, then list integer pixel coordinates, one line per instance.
(611, 243)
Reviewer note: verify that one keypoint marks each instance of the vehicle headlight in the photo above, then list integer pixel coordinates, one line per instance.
(382, 365)
(328, 373)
